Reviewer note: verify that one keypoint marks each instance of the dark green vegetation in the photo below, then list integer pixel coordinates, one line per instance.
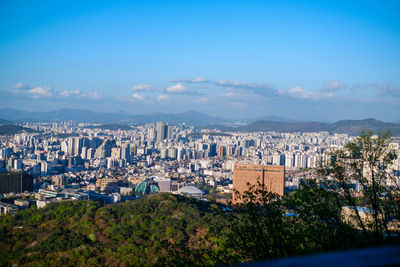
(10, 129)
(161, 230)
(5, 121)
(178, 231)
(365, 161)
(352, 127)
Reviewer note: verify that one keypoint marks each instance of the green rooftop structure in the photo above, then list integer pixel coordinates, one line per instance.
(146, 187)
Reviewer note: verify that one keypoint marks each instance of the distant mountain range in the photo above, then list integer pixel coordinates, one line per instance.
(88, 116)
(266, 123)
(352, 127)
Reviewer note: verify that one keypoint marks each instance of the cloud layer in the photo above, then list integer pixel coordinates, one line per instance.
(143, 87)
(225, 97)
(49, 92)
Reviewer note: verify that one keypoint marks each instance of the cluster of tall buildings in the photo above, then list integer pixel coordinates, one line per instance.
(87, 156)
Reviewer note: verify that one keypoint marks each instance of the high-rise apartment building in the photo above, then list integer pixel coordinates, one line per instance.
(151, 134)
(78, 146)
(161, 131)
(71, 146)
(125, 152)
(221, 151)
(116, 153)
(271, 178)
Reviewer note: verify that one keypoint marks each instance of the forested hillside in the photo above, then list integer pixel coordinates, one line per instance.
(170, 230)
(162, 229)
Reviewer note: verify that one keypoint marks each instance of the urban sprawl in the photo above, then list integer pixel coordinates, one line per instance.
(67, 160)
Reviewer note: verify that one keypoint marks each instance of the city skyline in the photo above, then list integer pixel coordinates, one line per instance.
(303, 60)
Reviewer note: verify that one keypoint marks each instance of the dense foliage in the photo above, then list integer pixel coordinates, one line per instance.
(156, 230)
(366, 162)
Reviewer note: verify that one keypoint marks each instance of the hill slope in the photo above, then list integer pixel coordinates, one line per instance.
(351, 127)
(10, 129)
(162, 230)
(2, 121)
(354, 127)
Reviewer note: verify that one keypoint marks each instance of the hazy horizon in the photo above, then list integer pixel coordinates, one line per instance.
(229, 120)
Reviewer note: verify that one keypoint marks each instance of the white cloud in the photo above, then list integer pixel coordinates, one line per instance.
(178, 88)
(163, 98)
(24, 89)
(21, 86)
(78, 93)
(67, 93)
(139, 97)
(235, 83)
(143, 87)
(243, 84)
(197, 80)
(231, 94)
(41, 91)
(192, 80)
(333, 86)
(299, 92)
(207, 99)
(47, 91)
(64, 93)
(280, 91)
(225, 83)
(259, 89)
(94, 95)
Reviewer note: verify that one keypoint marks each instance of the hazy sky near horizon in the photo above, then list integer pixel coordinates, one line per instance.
(305, 60)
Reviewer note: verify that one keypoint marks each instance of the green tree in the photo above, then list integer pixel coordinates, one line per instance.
(317, 217)
(366, 163)
(256, 227)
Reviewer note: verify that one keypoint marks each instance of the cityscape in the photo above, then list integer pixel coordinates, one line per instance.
(199, 133)
(109, 164)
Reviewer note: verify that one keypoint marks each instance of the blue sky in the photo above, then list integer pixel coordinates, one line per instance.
(305, 60)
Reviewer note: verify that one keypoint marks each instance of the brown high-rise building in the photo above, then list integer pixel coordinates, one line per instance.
(270, 177)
